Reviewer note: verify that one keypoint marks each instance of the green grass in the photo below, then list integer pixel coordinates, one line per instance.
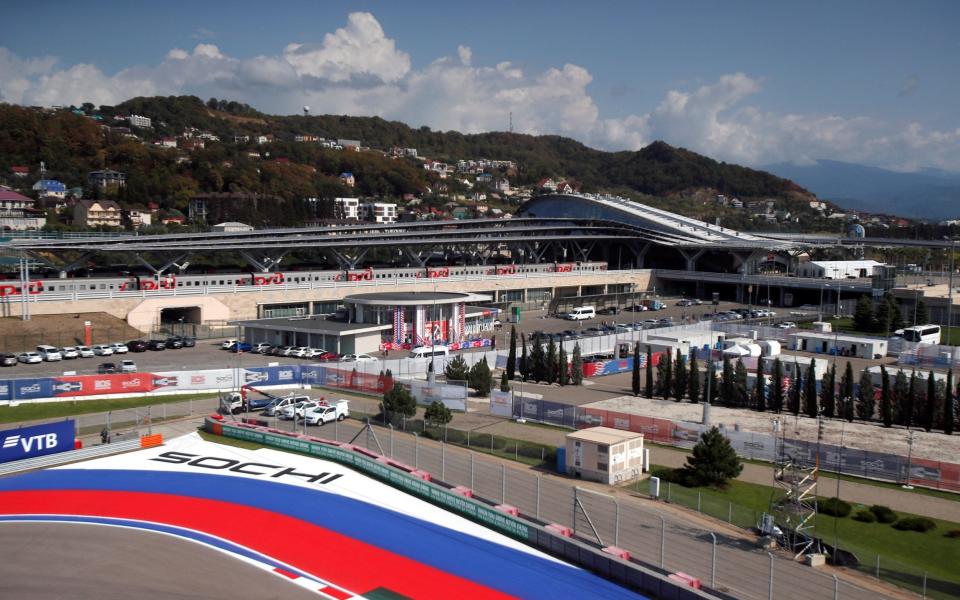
(32, 411)
(905, 555)
(220, 439)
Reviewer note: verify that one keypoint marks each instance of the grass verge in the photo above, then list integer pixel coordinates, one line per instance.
(905, 555)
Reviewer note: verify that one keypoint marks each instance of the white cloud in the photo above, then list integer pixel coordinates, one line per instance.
(359, 70)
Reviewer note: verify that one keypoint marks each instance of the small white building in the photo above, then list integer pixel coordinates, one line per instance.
(379, 212)
(231, 227)
(845, 345)
(838, 269)
(347, 208)
(791, 364)
(610, 456)
(140, 121)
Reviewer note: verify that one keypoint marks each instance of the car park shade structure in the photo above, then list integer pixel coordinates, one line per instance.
(313, 521)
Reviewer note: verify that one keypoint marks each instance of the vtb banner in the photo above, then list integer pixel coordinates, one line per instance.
(38, 440)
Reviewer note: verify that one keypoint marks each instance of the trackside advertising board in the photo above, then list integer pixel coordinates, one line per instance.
(27, 442)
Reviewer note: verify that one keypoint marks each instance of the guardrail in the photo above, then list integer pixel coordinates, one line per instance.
(627, 572)
(62, 458)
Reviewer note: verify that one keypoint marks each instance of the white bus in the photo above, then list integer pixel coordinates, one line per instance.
(922, 334)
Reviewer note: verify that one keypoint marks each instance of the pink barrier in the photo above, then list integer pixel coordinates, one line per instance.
(421, 475)
(687, 580)
(463, 491)
(559, 529)
(618, 552)
(510, 510)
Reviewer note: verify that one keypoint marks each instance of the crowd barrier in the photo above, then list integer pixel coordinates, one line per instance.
(624, 571)
(848, 461)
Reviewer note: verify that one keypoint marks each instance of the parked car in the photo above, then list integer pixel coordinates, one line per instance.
(323, 412)
(684, 302)
(30, 358)
(137, 346)
(119, 348)
(300, 352)
(314, 353)
(262, 348)
(327, 355)
(85, 351)
(128, 366)
(609, 310)
(227, 343)
(241, 347)
(295, 411)
(282, 350)
(106, 368)
(8, 360)
(173, 343)
(69, 353)
(188, 342)
(49, 353)
(102, 350)
(357, 358)
(637, 308)
(157, 345)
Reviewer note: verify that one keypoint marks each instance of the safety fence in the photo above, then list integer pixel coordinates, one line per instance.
(433, 487)
(729, 564)
(839, 459)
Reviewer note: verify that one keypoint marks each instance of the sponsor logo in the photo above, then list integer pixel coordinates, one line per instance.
(164, 381)
(102, 384)
(198, 379)
(217, 463)
(30, 389)
(253, 377)
(4, 390)
(224, 378)
(68, 386)
(42, 441)
(285, 375)
(131, 383)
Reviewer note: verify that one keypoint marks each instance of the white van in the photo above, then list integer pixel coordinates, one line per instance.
(49, 353)
(430, 352)
(582, 313)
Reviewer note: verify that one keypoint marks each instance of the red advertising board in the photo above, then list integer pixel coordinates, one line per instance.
(96, 385)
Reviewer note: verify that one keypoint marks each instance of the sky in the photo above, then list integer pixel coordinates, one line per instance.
(870, 82)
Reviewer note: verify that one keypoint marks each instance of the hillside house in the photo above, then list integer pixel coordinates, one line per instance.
(92, 213)
(347, 178)
(50, 188)
(106, 179)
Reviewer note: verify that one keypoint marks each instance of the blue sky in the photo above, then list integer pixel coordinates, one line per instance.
(751, 82)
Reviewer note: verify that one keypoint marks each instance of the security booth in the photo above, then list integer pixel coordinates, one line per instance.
(610, 456)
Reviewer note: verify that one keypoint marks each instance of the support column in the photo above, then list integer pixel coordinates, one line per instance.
(691, 256)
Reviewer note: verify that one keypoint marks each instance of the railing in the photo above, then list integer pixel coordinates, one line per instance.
(62, 458)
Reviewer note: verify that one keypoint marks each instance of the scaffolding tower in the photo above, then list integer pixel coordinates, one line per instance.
(795, 499)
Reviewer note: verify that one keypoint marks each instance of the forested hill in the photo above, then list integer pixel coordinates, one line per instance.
(73, 141)
(658, 169)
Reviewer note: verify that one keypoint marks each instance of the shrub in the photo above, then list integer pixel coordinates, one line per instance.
(864, 516)
(884, 514)
(953, 533)
(921, 524)
(835, 507)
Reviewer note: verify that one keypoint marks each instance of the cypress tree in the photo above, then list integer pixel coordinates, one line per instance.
(930, 406)
(828, 391)
(740, 395)
(896, 314)
(793, 403)
(760, 389)
(635, 381)
(538, 360)
(679, 377)
(524, 365)
(649, 387)
(576, 366)
(923, 314)
(504, 382)
(847, 387)
(667, 373)
(662, 367)
(563, 369)
(865, 401)
(550, 362)
(693, 387)
(714, 384)
(948, 403)
(810, 391)
(863, 315)
(776, 393)
(901, 398)
(726, 383)
(886, 404)
(882, 318)
(512, 356)
(911, 400)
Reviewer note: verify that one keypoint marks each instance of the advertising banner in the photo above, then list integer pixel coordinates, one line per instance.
(26, 389)
(38, 440)
(95, 385)
(279, 375)
(501, 403)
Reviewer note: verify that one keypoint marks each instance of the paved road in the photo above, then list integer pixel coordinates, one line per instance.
(61, 560)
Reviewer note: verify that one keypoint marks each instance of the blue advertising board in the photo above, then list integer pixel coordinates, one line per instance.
(26, 389)
(280, 375)
(27, 442)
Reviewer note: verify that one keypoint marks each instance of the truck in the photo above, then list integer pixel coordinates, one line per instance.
(237, 402)
(327, 412)
(654, 304)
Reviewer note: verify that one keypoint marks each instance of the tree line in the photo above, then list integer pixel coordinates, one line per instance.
(910, 401)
